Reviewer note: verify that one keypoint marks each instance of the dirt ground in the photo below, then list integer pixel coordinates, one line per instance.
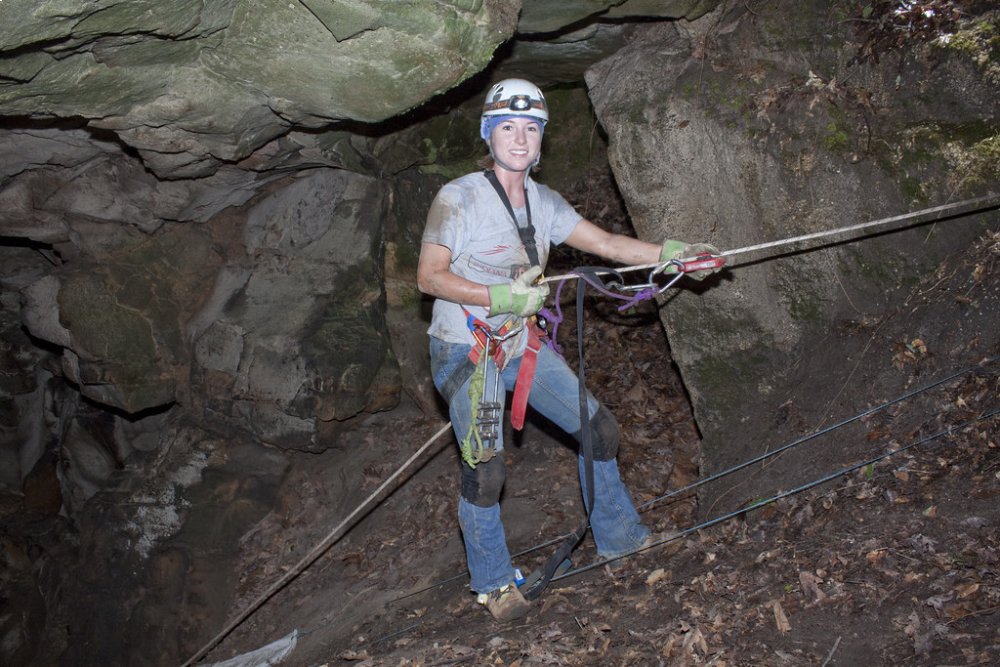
(888, 562)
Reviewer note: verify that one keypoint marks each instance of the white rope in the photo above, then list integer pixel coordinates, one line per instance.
(311, 557)
(969, 205)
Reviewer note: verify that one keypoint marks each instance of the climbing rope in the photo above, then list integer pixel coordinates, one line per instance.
(816, 434)
(784, 494)
(760, 503)
(317, 551)
(952, 210)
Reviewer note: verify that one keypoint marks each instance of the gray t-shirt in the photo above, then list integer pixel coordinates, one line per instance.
(468, 218)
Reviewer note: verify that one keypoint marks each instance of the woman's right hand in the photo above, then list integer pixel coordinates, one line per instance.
(520, 297)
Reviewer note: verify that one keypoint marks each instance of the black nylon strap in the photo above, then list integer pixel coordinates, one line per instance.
(457, 378)
(587, 450)
(526, 234)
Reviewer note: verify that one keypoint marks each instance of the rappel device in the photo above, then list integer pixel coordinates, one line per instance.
(488, 411)
(703, 262)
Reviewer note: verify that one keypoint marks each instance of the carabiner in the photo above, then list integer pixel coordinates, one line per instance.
(657, 270)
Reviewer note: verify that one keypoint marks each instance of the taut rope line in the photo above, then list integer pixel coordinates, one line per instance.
(985, 202)
(829, 477)
(316, 552)
(977, 204)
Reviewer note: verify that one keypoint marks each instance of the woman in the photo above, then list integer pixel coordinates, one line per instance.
(485, 244)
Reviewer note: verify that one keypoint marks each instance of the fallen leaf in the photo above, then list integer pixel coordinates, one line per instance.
(354, 655)
(965, 590)
(780, 619)
(659, 574)
(810, 586)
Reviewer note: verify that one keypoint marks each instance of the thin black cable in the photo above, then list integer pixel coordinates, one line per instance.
(728, 471)
(815, 434)
(783, 494)
(778, 496)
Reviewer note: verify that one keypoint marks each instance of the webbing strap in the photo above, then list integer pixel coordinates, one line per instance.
(587, 451)
(481, 332)
(525, 377)
(526, 234)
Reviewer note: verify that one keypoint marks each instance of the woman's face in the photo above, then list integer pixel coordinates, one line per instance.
(516, 143)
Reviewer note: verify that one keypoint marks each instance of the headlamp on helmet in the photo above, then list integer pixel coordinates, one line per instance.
(512, 98)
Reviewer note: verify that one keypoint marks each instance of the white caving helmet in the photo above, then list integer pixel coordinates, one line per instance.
(511, 98)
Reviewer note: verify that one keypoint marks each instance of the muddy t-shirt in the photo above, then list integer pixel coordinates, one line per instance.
(468, 218)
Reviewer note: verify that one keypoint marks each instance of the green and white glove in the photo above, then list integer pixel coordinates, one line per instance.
(520, 297)
(680, 250)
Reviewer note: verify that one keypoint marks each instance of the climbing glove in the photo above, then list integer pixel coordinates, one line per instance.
(680, 250)
(520, 297)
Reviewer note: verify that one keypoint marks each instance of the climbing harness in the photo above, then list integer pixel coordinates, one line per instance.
(479, 444)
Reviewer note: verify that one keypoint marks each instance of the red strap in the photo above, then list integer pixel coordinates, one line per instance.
(525, 376)
(478, 329)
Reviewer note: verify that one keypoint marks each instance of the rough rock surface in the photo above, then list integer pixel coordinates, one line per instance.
(547, 16)
(718, 134)
(142, 69)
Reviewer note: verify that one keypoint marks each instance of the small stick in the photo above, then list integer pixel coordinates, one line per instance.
(829, 656)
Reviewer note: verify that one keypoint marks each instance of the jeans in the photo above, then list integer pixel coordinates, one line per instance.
(554, 393)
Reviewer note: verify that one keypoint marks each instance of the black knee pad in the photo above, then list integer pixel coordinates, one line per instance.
(482, 485)
(606, 436)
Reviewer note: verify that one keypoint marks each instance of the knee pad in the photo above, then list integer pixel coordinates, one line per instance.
(605, 435)
(482, 485)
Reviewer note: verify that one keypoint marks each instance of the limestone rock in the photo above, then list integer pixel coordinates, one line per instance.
(142, 70)
(742, 141)
(294, 335)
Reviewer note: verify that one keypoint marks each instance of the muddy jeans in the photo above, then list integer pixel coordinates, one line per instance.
(554, 393)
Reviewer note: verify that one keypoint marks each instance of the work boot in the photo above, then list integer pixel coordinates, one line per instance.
(505, 603)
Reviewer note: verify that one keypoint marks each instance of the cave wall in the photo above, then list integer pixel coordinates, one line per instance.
(753, 126)
(172, 80)
(208, 220)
